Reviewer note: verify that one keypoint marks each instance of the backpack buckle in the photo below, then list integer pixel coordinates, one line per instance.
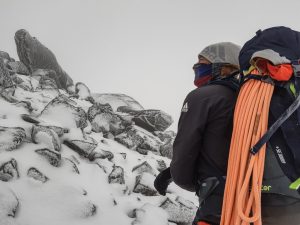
(295, 185)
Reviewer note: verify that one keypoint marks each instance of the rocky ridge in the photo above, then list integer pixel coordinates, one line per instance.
(66, 149)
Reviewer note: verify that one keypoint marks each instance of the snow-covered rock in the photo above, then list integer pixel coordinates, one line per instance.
(37, 175)
(82, 147)
(5, 56)
(65, 111)
(101, 154)
(152, 120)
(116, 175)
(83, 92)
(166, 149)
(144, 167)
(5, 78)
(74, 157)
(41, 134)
(53, 157)
(179, 211)
(9, 205)
(18, 67)
(161, 165)
(104, 120)
(11, 137)
(149, 215)
(144, 184)
(117, 100)
(140, 140)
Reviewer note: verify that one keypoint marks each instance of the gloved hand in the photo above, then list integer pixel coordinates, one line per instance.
(162, 181)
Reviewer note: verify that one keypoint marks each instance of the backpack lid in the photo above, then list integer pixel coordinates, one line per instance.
(277, 44)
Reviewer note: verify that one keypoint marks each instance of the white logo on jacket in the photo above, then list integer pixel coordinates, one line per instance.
(185, 107)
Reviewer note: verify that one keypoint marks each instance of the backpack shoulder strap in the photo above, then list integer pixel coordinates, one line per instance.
(229, 81)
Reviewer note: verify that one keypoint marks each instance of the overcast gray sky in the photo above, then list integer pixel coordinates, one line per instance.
(142, 48)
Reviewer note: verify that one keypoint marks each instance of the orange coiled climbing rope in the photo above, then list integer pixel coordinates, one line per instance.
(242, 196)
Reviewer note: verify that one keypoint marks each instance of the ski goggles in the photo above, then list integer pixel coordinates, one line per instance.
(281, 72)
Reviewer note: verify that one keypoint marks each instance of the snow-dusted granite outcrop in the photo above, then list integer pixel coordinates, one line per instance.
(81, 158)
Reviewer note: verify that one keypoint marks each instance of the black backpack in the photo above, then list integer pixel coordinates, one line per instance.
(283, 135)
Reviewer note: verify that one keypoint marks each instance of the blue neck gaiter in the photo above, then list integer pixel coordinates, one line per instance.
(202, 73)
(202, 70)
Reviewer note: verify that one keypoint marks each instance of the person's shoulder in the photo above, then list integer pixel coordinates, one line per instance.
(209, 91)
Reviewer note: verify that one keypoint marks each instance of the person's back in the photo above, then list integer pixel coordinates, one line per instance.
(208, 124)
(206, 132)
(200, 149)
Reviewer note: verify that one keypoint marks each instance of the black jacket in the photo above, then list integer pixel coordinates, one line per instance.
(201, 147)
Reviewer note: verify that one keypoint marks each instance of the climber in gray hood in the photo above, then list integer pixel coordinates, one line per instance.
(201, 147)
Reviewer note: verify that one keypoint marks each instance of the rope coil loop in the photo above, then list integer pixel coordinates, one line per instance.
(242, 196)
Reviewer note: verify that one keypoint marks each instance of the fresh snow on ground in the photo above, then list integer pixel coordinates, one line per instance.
(69, 198)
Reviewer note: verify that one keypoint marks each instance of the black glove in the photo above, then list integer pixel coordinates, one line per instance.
(162, 181)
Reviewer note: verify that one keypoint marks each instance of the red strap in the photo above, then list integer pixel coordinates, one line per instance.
(202, 223)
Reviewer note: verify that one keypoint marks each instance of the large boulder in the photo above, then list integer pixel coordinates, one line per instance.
(18, 67)
(152, 120)
(139, 140)
(46, 82)
(65, 112)
(24, 82)
(117, 100)
(104, 120)
(36, 56)
(5, 78)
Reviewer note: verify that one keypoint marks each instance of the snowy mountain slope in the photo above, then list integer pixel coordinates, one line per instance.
(73, 158)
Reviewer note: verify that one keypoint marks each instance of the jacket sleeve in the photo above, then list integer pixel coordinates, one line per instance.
(187, 144)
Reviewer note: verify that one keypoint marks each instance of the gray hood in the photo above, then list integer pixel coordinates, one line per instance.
(223, 52)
